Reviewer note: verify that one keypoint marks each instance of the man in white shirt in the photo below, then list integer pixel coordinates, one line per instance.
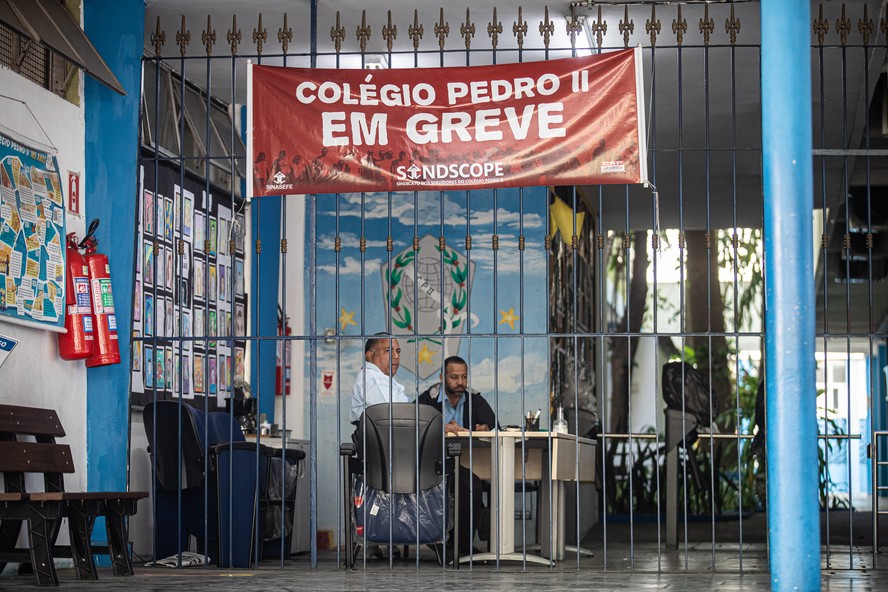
(375, 383)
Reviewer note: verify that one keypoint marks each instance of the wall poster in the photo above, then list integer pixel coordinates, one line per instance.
(189, 305)
(32, 237)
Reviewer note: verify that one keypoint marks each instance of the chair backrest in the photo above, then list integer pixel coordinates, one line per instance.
(161, 420)
(396, 435)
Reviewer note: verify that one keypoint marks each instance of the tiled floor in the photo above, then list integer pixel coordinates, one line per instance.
(628, 570)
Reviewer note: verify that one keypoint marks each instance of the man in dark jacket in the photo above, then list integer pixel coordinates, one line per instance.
(462, 409)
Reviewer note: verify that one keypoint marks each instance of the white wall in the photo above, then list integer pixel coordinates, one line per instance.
(34, 375)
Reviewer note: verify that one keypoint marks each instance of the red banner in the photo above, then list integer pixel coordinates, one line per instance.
(576, 121)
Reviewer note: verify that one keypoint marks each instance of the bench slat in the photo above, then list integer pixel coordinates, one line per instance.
(87, 495)
(35, 457)
(31, 421)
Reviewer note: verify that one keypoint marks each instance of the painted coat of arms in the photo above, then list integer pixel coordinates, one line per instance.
(427, 291)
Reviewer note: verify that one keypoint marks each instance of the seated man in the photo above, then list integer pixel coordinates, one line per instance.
(376, 382)
(462, 409)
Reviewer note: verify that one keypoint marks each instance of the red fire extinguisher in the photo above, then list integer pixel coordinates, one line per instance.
(106, 350)
(282, 363)
(77, 343)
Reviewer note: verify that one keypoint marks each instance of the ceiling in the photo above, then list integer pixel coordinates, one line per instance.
(704, 118)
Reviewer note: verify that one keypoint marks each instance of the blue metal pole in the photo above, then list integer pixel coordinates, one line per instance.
(793, 512)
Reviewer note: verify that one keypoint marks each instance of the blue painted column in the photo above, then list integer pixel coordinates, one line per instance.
(115, 27)
(793, 511)
(266, 216)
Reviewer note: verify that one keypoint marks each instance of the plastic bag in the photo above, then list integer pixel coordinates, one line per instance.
(399, 510)
(695, 391)
(273, 515)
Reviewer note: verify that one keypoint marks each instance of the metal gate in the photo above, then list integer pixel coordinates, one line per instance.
(633, 312)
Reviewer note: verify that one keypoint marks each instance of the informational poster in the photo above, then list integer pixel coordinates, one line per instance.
(32, 237)
(190, 302)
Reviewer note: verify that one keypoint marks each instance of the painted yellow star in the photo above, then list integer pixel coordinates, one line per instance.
(346, 319)
(424, 355)
(509, 317)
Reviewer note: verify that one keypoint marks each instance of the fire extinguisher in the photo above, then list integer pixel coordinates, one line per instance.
(282, 363)
(77, 343)
(106, 350)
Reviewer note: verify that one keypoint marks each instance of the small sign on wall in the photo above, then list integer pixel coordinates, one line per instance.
(73, 193)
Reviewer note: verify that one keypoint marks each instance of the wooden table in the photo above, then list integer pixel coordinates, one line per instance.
(548, 457)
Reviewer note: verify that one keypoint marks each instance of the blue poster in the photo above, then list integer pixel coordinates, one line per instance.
(32, 236)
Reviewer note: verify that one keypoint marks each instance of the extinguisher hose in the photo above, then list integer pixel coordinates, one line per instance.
(93, 226)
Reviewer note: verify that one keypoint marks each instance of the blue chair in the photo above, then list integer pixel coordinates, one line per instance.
(214, 470)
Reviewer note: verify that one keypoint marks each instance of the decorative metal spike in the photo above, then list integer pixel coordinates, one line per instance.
(599, 27)
(389, 243)
(415, 30)
(494, 242)
(652, 26)
(467, 30)
(362, 244)
(821, 26)
(865, 26)
(494, 29)
(732, 26)
(442, 30)
(234, 36)
(573, 26)
(843, 26)
(337, 34)
(337, 244)
(363, 31)
(679, 27)
(519, 29)
(389, 32)
(158, 38)
(208, 37)
(283, 246)
(260, 36)
(547, 28)
(183, 37)
(707, 25)
(285, 35)
(442, 242)
(627, 27)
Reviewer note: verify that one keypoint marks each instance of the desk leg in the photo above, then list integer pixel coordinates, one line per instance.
(502, 494)
(502, 530)
(551, 535)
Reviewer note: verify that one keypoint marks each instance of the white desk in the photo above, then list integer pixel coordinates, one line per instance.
(546, 457)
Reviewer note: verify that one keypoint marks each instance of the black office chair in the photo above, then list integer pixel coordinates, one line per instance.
(383, 491)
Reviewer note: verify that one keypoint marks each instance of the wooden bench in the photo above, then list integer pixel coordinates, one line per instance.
(28, 446)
